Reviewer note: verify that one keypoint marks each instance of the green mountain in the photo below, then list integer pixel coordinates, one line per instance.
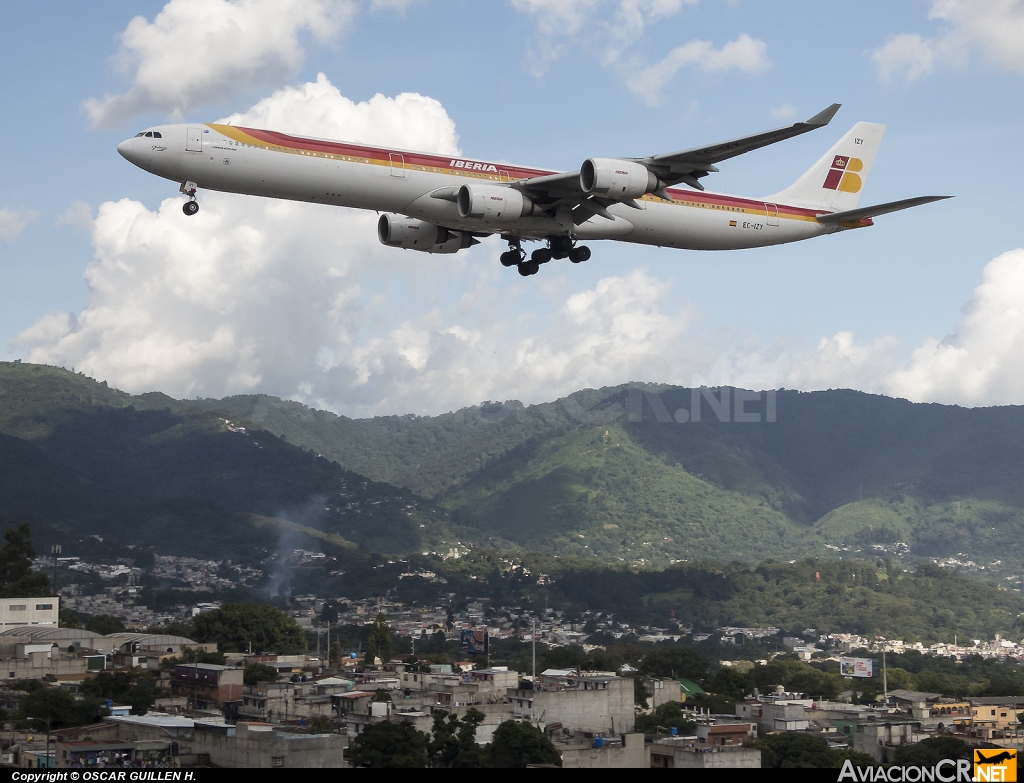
(606, 473)
(83, 462)
(838, 472)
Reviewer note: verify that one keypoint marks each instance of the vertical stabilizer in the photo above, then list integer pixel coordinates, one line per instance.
(835, 182)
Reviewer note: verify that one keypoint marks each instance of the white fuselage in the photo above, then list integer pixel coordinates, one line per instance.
(277, 165)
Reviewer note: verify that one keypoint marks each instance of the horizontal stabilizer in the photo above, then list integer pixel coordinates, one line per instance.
(879, 209)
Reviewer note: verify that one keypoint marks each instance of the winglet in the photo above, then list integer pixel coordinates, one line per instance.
(823, 118)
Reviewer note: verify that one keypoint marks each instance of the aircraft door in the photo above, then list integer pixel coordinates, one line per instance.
(195, 140)
(772, 213)
(397, 165)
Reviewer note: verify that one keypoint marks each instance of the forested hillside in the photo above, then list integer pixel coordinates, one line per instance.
(838, 472)
(80, 460)
(607, 473)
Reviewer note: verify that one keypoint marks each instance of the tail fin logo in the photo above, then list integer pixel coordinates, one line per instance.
(843, 175)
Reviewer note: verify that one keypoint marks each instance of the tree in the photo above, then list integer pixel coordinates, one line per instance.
(517, 744)
(388, 745)
(931, 751)
(70, 619)
(666, 661)
(666, 716)
(197, 655)
(453, 742)
(381, 642)
(104, 624)
(320, 724)
(731, 684)
(122, 687)
(337, 654)
(16, 577)
(58, 708)
(791, 749)
(569, 657)
(235, 626)
(258, 672)
(640, 692)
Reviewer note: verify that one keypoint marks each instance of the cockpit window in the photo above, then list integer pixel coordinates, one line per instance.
(139, 134)
(157, 135)
(149, 134)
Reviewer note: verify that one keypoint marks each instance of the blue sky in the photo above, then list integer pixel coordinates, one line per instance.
(548, 84)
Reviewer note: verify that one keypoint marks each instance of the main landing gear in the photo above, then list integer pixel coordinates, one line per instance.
(190, 207)
(558, 248)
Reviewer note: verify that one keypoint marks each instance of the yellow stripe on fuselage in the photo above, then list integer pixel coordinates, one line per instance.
(239, 135)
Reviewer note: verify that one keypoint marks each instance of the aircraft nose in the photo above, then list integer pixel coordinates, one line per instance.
(125, 149)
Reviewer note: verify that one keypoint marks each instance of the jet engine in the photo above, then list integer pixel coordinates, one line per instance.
(493, 204)
(618, 179)
(411, 234)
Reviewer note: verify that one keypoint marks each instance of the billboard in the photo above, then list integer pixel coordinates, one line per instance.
(473, 641)
(856, 667)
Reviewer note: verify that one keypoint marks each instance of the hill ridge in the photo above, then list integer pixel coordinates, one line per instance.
(650, 473)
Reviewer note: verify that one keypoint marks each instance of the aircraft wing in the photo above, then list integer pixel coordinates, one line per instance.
(878, 209)
(688, 166)
(701, 160)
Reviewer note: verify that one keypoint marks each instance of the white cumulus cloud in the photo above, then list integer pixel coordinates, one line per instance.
(409, 120)
(607, 27)
(904, 57)
(990, 30)
(195, 52)
(13, 222)
(745, 54)
(554, 17)
(980, 364)
(77, 215)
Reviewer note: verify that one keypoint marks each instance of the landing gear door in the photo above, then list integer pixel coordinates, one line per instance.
(195, 140)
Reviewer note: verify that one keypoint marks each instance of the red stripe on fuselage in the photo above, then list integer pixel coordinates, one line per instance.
(383, 155)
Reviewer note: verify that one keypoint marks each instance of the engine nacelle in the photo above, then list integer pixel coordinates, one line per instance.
(618, 179)
(493, 204)
(411, 234)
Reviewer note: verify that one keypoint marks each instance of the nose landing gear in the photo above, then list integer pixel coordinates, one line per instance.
(190, 207)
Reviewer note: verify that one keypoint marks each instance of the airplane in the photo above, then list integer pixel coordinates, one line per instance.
(445, 203)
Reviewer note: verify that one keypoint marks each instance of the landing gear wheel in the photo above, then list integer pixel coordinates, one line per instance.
(540, 256)
(190, 208)
(528, 268)
(511, 257)
(558, 255)
(560, 246)
(579, 254)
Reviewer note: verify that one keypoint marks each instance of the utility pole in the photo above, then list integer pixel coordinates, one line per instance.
(885, 679)
(55, 550)
(533, 643)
